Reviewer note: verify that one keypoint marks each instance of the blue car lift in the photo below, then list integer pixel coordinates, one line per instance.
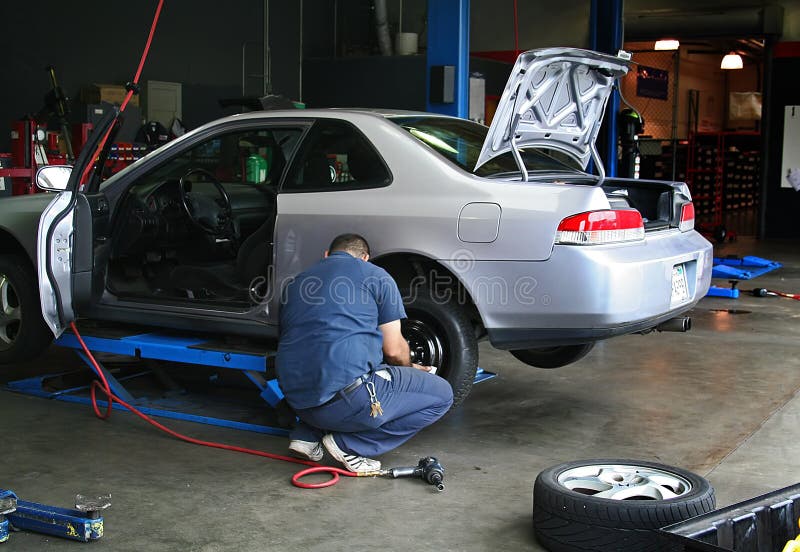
(255, 362)
(197, 350)
(82, 524)
(738, 268)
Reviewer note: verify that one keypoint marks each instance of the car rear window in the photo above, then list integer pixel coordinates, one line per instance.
(460, 141)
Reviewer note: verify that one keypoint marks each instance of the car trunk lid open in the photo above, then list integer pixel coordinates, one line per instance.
(554, 99)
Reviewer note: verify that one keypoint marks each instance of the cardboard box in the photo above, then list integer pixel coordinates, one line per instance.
(111, 93)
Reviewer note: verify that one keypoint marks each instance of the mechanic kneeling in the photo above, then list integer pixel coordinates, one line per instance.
(339, 320)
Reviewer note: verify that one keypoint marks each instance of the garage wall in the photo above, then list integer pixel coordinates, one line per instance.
(385, 82)
(197, 43)
(697, 72)
(791, 21)
(540, 25)
(782, 205)
(334, 28)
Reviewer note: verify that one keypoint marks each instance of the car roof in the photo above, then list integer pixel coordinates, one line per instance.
(329, 111)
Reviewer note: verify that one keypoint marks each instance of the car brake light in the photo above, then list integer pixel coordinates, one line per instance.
(687, 217)
(601, 227)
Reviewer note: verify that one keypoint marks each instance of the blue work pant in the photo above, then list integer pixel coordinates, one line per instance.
(412, 400)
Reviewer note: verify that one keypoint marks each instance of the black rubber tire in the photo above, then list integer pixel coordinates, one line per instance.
(566, 520)
(452, 326)
(32, 336)
(553, 357)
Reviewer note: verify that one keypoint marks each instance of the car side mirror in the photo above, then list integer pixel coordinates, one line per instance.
(53, 178)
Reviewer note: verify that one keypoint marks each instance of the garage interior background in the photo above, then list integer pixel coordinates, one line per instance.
(324, 53)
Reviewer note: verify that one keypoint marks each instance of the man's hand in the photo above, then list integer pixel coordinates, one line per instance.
(421, 367)
(395, 346)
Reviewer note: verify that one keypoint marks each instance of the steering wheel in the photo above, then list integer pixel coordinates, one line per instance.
(211, 214)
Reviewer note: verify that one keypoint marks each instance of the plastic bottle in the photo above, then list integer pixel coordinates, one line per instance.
(256, 169)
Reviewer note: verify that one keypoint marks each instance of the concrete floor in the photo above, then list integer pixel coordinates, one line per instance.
(721, 401)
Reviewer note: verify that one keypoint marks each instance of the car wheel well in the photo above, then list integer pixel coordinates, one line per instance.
(9, 245)
(410, 271)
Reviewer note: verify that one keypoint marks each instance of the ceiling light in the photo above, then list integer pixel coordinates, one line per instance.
(731, 61)
(667, 44)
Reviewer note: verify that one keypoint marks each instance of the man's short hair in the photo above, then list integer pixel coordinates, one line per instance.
(351, 243)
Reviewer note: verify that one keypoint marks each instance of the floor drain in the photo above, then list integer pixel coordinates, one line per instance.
(730, 311)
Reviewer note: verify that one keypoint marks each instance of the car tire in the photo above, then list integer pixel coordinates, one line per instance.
(440, 334)
(23, 332)
(568, 516)
(553, 357)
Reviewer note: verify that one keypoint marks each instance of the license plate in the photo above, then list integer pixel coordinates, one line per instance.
(680, 287)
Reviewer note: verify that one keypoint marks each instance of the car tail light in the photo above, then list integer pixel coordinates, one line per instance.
(687, 217)
(601, 227)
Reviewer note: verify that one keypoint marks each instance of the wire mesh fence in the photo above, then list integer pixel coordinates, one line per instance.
(649, 88)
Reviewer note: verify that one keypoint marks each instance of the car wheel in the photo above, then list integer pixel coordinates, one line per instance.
(553, 357)
(614, 504)
(23, 333)
(440, 334)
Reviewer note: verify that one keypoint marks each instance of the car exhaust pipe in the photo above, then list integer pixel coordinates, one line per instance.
(677, 324)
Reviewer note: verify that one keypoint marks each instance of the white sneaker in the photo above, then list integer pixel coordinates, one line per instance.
(310, 450)
(356, 464)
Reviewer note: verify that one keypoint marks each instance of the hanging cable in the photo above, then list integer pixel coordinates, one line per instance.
(132, 88)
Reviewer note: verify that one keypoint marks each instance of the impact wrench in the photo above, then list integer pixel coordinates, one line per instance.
(429, 470)
(763, 292)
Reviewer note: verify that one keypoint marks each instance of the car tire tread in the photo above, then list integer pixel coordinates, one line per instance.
(34, 336)
(566, 520)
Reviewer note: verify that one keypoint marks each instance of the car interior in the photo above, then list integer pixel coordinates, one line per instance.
(199, 227)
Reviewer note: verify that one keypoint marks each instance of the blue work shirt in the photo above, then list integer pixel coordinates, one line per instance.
(329, 322)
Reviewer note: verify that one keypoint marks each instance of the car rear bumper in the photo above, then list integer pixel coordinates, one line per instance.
(587, 293)
(525, 338)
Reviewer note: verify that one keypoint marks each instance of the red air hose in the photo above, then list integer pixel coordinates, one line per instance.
(106, 389)
(134, 84)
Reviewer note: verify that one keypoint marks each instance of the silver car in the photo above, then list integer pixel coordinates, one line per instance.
(491, 233)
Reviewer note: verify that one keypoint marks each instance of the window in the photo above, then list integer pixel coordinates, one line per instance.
(253, 156)
(336, 156)
(460, 142)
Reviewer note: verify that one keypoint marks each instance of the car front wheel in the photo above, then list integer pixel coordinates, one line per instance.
(553, 357)
(440, 334)
(23, 333)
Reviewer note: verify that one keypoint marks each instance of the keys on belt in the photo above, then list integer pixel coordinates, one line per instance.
(358, 382)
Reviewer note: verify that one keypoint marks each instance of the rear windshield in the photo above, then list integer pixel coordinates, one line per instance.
(460, 141)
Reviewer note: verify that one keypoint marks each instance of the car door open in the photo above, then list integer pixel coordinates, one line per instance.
(64, 240)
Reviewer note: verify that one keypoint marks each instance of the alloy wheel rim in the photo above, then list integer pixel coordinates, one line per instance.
(10, 313)
(624, 482)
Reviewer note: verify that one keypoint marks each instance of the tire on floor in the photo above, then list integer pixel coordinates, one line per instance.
(613, 504)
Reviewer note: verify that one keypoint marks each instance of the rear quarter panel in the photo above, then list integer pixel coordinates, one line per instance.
(419, 211)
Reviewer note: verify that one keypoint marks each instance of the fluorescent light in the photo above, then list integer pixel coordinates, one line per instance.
(667, 44)
(731, 61)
